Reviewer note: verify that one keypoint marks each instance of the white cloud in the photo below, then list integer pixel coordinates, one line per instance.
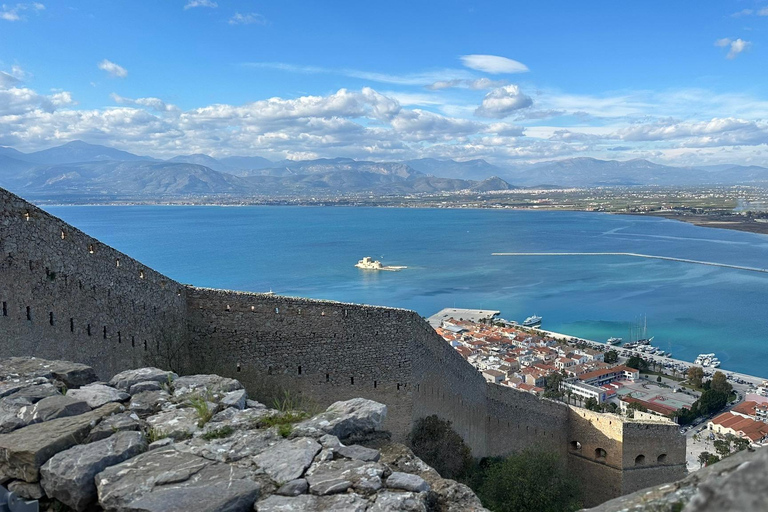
(714, 132)
(503, 102)
(736, 46)
(250, 18)
(200, 3)
(14, 13)
(152, 103)
(493, 64)
(763, 12)
(113, 69)
(476, 85)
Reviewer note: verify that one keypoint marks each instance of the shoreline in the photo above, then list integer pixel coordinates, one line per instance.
(752, 379)
(731, 222)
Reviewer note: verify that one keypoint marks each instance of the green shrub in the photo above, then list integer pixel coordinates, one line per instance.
(218, 433)
(435, 442)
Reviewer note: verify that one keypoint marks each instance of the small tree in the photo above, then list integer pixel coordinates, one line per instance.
(695, 376)
(720, 383)
(706, 458)
(436, 443)
(722, 447)
(531, 480)
(611, 357)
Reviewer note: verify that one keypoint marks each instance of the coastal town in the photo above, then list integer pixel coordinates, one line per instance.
(626, 381)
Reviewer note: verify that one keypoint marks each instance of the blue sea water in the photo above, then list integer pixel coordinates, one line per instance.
(311, 252)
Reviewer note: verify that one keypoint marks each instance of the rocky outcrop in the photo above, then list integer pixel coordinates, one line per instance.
(152, 441)
(735, 484)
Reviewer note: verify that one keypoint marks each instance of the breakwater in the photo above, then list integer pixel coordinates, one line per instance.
(635, 255)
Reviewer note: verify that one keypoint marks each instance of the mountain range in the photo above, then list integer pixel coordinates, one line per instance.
(81, 171)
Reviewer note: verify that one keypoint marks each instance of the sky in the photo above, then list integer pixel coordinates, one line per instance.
(512, 82)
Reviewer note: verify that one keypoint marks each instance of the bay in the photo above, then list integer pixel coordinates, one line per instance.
(311, 252)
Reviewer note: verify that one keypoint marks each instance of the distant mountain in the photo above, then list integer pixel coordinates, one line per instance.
(79, 151)
(124, 179)
(200, 159)
(246, 162)
(330, 165)
(492, 184)
(468, 170)
(12, 153)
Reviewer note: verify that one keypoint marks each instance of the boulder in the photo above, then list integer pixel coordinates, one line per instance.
(236, 419)
(175, 423)
(407, 482)
(166, 480)
(9, 414)
(308, 503)
(35, 393)
(455, 497)
(358, 452)
(236, 399)
(287, 460)
(389, 501)
(26, 490)
(339, 475)
(68, 476)
(238, 446)
(10, 386)
(343, 419)
(145, 385)
(253, 404)
(161, 443)
(73, 375)
(148, 402)
(23, 451)
(124, 422)
(52, 407)
(97, 395)
(124, 380)
(202, 384)
(293, 488)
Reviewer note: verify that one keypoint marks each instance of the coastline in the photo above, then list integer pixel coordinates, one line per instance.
(732, 222)
(752, 379)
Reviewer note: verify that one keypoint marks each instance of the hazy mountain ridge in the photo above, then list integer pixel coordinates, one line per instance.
(81, 169)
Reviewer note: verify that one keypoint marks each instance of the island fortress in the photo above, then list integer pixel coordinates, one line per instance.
(65, 295)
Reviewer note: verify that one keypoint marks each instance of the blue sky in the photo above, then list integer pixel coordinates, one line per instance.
(513, 82)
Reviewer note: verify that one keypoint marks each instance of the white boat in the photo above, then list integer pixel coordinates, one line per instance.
(614, 341)
(532, 321)
(369, 263)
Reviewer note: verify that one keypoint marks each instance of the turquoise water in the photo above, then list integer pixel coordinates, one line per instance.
(311, 252)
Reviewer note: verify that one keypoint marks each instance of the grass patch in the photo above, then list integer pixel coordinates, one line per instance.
(155, 434)
(219, 433)
(204, 411)
(285, 429)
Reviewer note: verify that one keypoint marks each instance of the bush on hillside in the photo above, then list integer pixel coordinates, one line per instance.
(436, 443)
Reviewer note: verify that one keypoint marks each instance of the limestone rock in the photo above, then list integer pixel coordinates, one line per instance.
(453, 496)
(358, 452)
(236, 399)
(166, 480)
(236, 419)
(195, 384)
(161, 443)
(407, 482)
(145, 385)
(240, 445)
(71, 374)
(35, 393)
(148, 402)
(287, 460)
(342, 419)
(253, 404)
(9, 414)
(308, 503)
(293, 488)
(23, 451)
(339, 475)
(389, 501)
(97, 395)
(52, 407)
(329, 441)
(175, 423)
(28, 491)
(124, 380)
(69, 475)
(123, 422)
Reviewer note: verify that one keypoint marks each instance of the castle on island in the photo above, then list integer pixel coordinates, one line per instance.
(65, 295)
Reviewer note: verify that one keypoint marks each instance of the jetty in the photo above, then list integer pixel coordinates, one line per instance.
(635, 255)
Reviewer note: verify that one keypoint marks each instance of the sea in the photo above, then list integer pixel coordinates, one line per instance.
(311, 252)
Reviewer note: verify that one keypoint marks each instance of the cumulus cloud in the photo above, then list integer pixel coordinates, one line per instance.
(503, 102)
(15, 12)
(152, 103)
(476, 85)
(14, 77)
(736, 46)
(200, 3)
(250, 18)
(113, 69)
(493, 64)
(714, 132)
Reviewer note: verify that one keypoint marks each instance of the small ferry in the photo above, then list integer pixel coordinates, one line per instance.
(614, 341)
(532, 321)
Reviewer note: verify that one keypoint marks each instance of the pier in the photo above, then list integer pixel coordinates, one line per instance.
(634, 255)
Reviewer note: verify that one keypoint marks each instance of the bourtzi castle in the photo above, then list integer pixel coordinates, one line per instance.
(65, 295)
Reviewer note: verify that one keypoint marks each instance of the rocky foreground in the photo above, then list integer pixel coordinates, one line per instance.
(151, 441)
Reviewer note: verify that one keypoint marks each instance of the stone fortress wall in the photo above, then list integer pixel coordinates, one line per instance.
(66, 295)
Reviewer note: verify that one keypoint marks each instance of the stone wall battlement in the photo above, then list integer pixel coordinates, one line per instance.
(65, 295)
